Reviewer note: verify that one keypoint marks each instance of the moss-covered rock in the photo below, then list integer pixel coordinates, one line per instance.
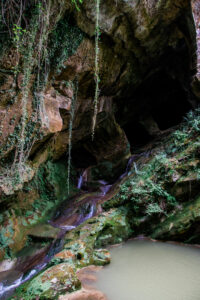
(34, 204)
(58, 279)
(183, 225)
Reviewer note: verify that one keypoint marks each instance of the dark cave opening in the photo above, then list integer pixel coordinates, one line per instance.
(82, 158)
(136, 134)
(167, 100)
(159, 103)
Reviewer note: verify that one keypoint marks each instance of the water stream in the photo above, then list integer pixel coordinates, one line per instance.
(139, 270)
(146, 270)
(71, 214)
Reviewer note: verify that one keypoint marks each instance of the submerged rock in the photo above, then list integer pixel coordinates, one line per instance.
(84, 295)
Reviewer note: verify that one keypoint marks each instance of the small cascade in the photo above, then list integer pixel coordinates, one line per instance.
(103, 182)
(7, 289)
(67, 227)
(83, 178)
(16, 278)
(105, 189)
(80, 182)
(91, 212)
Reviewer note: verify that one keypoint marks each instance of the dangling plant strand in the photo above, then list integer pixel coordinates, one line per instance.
(44, 20)
(72, 111)
(76, 5)
(28, 67)
(96, 71)
(29, 39)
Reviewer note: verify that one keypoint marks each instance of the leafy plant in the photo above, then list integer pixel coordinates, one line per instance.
(76, 4)
(154, 208)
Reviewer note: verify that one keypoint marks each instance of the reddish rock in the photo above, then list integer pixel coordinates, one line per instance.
(84, 295)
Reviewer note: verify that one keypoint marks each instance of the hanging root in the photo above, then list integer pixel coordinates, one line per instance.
(96, 72)
(32, 43)
(72, 111)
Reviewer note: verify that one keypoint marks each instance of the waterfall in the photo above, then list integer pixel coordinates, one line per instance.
(80, 182)
(83, 178)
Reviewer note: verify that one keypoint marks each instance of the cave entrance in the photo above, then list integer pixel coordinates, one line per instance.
(136, 134)
(158, 104)
(168, 102)
(82, 158)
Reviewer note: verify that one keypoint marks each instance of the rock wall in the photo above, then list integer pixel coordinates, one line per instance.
(137, 40)
(146, 65)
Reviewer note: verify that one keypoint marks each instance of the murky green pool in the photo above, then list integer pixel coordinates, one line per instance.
(145, 270)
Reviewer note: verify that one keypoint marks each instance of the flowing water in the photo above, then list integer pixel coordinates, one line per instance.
(146, 270)
(71, 214)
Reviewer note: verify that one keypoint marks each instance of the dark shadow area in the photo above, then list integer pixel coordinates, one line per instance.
(167, 100)
(158, 104)
(82, 158)
(137, 135)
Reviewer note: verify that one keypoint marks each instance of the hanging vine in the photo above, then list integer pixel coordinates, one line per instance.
(30, 41)
(75, 3)
(72, 111)
(96, 67)
(28, 67)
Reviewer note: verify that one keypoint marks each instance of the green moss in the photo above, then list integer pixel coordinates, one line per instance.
(63, 43)
(178, 223)
(50, 183)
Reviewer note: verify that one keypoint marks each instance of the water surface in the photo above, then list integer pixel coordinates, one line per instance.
(146, 270)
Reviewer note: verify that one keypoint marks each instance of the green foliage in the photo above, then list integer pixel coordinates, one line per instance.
(153, 208)
(187, 130)
(193, 120)
(25, 41)
(149, 185)
(5, 239)
(76, 4)
(63, 43)
(146, 195)
(18, 32)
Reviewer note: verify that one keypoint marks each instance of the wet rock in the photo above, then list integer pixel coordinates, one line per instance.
(51, 119)
(55, 280)
(7, 264)
(180, 225)
(84, 295)
(66, 255)
(186, 187)
(110, 227)
(44, 231)
(87, 275)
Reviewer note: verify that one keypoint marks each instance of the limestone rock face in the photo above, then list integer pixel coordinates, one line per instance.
(137, 39)
(146, 65)
(51, 118)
